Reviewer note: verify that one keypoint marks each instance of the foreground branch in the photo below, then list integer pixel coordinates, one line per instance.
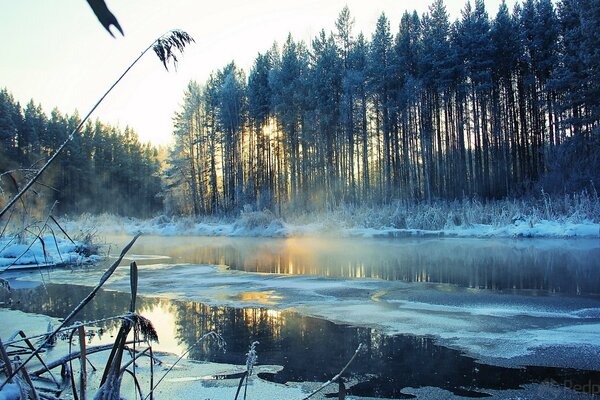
(72, 356)
(338, 376)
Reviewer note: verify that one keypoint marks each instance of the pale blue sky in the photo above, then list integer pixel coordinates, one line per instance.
(57, 53)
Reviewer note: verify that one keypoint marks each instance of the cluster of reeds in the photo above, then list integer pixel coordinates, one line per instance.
(20, 345)
(45, 232)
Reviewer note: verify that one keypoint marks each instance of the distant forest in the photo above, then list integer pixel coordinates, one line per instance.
(102, 169)
(480, 107)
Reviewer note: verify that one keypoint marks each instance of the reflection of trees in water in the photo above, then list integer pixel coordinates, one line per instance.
(238, 326)
(58, 300)
(311, 349)
(484, 264)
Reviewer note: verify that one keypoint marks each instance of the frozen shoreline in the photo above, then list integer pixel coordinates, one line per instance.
(262, 224)
(55, 251)
(191, 379)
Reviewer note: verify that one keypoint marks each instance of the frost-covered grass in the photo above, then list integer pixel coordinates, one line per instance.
(443, 215)
(576, 215)
(28, 239)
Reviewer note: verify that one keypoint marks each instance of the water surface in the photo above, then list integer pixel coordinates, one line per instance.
(569, 267)
(465, 315)
(309, 349)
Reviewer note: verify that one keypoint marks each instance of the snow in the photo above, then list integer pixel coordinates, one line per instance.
(10, 392)
(49, 250)
(520, 229)
(188, 379)
(270, 226)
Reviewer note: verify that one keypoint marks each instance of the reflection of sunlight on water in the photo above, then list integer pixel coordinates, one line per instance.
(165, 323)
(267, 298)
(549, 265)
(376, 297)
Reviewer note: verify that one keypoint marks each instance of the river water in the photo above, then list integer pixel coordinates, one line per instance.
(469, 316)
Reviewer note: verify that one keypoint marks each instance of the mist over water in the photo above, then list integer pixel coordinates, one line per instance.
(539, 266)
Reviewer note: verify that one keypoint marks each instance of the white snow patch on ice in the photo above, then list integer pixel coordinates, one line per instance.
(47, 250)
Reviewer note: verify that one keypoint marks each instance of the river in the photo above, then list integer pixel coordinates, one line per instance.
(473, 317)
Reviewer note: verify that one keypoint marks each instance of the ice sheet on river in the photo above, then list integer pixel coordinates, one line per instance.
(500, 328)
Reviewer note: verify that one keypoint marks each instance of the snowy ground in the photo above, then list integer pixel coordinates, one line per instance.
(30, 252)
(265, 224)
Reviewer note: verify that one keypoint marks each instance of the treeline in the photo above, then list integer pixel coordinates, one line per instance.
(486, 107)
(102, 169)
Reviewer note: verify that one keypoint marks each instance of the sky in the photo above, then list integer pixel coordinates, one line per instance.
(57, 53)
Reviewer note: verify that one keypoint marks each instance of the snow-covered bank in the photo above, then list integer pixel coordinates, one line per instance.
(519, 229)
(18, 253)
(265, 224)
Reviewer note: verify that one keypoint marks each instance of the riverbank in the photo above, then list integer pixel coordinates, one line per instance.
(568, 217)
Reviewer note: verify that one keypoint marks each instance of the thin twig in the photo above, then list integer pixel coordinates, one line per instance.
(67, 328)
(72, 374)
(7, 365)
(72, 356)
(203, 337)
(27, 379)
(335, 378)
(40, 359)
(7, 222)
(83, 368)
(37, 237)
(136, 382)
(61, 228)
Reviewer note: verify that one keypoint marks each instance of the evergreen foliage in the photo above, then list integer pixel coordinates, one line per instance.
(479, 107)
(102, 170)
